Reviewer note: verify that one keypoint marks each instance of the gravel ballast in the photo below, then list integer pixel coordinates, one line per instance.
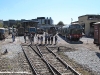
(87, 58)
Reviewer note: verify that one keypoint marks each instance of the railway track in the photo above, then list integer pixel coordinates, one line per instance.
(44, 61)
(37, 64)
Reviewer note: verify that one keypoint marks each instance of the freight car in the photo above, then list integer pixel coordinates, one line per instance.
(52, 31)
(72, 31)
(97, 33)
(3, 33)
(20, 31)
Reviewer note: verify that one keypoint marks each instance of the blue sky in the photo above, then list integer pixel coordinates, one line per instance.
(59, 10)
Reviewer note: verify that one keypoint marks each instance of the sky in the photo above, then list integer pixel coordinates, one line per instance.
(58, 10)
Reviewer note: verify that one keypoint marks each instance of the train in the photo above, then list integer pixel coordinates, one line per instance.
(20, 31)
(3, 33)
(40, 31)
(52, 31)
(11, 30)
(32, 30)
(71, 31)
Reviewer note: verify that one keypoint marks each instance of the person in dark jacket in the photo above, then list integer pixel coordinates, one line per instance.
(13, 36)
(51, 39)
(41, 40)
(56, 39)
(38, 38)
(46, 39)
(25, 37)
(31, 38)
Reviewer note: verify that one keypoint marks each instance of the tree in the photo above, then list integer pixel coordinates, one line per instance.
(5, 26)
(1, 25)
(18, 25)
(14, 26)
(60, 23)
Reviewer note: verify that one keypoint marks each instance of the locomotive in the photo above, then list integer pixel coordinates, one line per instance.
(11, 30)
(21, 31)
(72, 31)
(52, 31)
(40, 31)
(32, 30)
(3, 33)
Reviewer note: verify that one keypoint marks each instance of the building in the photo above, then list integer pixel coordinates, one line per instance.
(11, 23)
(1, 21)
(5, 23)
(44, 21)
(87, 21)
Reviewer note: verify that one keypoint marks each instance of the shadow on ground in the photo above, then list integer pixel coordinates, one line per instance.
(71, 42)
(98, 54)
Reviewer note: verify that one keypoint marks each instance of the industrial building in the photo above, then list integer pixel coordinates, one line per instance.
(87, 21)
(44, 21)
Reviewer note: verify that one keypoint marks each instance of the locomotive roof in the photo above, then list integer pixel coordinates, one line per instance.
(97, 23)
(70, 25)
(2, 28)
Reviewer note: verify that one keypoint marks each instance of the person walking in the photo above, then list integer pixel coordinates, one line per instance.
(41, 40)
(45, 39)
(25, 37)
(48, 39)
(13, 36)
(31, 38)
(38, 38)
(51, 39)
(56, 39)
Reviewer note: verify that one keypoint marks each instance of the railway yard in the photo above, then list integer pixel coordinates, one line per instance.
(65, 58)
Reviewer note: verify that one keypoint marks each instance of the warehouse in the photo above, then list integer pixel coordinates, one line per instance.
(87, 22)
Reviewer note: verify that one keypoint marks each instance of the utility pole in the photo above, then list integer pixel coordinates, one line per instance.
(71, 20)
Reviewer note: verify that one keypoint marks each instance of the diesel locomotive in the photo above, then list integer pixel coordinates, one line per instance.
(71, 31)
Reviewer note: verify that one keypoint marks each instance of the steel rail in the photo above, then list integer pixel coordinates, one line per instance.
(63, 62)
(40, 55)
(32, 67)
(54, 69)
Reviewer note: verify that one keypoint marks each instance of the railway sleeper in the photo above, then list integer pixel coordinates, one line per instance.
(46, 72)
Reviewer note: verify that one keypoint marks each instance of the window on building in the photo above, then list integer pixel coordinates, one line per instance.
(90, 17)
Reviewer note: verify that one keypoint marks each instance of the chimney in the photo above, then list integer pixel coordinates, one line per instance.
(47, 20)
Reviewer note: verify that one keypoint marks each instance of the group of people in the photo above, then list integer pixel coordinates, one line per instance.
(48, 38)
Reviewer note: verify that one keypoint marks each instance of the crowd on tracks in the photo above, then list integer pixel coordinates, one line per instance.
(46, 38)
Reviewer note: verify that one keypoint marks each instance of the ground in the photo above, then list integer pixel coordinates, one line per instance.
(12, 61)
(83, 53)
